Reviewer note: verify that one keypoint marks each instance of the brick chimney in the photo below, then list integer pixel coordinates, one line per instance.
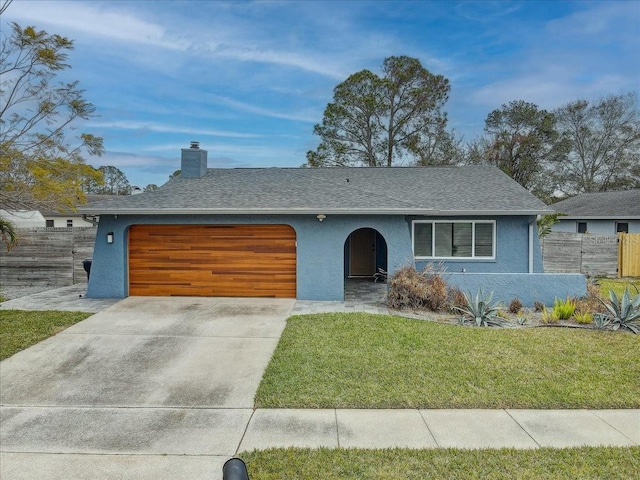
(194, 161)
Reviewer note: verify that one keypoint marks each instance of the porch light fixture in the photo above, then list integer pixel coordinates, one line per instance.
(110, 237)
(321, 216)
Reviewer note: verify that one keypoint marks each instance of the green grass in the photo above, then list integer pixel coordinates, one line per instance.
(618, 285)
(553, 464)
(20, 329)
(378, 361)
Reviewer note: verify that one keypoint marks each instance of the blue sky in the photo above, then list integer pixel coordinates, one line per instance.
(248, 80)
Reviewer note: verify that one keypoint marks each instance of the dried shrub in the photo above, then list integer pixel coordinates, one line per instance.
(591, 303)
(538, 306)
(409, 288)
(456, 299)
(515, 306)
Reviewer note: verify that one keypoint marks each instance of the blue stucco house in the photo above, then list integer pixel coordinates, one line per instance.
(300, 232)
(600, 213)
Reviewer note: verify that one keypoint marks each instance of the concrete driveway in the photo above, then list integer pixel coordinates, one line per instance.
(148, 388)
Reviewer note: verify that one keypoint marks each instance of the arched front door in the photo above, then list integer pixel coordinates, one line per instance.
(365, 253)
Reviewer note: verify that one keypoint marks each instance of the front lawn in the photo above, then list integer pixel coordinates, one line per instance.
(377, 361)
(401, 464)
(20, 329)
(618, 285)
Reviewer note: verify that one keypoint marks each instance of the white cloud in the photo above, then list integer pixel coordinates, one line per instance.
(161, 128)
(94, 19)
(265, 112)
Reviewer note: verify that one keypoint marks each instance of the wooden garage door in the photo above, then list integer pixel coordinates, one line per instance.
(212, 260)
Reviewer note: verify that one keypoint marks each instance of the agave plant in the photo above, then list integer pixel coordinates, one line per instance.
(600, 321)
(624, 312)
(481, 309)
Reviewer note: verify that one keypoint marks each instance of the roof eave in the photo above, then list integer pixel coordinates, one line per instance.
(308, 211)
(599, 217)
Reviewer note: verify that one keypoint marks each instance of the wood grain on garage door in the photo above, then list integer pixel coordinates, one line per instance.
(212, 260)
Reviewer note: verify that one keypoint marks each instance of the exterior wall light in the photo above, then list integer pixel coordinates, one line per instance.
(110, 237)
(321, 216)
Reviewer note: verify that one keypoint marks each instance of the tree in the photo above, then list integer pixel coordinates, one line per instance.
(603, 142)
(8, 233)
(114, 182)
(151, 187)
(441, 148)
(40, 163)
(519, 139)
(376, 121)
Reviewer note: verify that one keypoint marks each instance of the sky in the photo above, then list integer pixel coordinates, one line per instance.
(250, 79)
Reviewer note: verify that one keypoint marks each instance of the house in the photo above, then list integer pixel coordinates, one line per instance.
(31, 216)
(601, 213)
(299, 232)
(70, 219)
(23, 218)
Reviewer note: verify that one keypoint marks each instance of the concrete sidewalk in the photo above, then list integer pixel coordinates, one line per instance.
(470, 429)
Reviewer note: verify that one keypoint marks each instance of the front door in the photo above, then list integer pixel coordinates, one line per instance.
(362, 253)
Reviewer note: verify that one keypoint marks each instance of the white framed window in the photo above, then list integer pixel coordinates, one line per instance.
(69, 222)
(454, 239)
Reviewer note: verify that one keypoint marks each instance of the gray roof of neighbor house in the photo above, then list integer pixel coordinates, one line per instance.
(65, 211)
(470, 190)
(605, 205)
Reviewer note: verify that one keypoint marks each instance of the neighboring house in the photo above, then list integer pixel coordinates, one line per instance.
(23, 218)
(299, 232)
(602, 213)
(70, 219)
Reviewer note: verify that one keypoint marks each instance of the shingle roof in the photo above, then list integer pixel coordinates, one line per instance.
(475, 190)
(616, 204)
(65, 211)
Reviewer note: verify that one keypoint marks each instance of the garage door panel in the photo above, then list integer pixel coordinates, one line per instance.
(212, 260)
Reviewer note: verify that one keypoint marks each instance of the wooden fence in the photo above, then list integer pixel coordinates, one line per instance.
(629, 255)
(47, 256)
(594, 255)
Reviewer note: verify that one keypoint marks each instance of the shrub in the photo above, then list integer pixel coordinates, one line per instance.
(456, 299)
(583, 318)
(549, 316)
(515, 306)
(592, 302)
(538, 306)
(564, 309)
(409, 288)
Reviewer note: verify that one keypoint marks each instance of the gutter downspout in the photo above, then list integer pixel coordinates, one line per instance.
(90, 218)
(531, 233)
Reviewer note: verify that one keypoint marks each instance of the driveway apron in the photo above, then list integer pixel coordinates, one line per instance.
(162, 386)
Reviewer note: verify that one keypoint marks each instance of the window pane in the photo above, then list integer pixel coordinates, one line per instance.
(484, 239)
(582, 227)
(461, 240)
(444, 239)
(622, 227)
(422, 239)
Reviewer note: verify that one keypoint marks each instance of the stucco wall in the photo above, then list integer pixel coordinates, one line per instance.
(320, 254)
(512, 249)
(528, 288)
